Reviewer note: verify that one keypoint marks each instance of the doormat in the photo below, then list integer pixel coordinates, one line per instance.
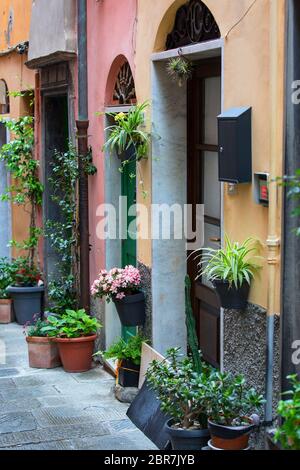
(146, 415)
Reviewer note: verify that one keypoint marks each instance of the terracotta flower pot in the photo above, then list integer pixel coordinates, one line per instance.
(6, 311)
(42, 353)
(76, 353)
(230, 437)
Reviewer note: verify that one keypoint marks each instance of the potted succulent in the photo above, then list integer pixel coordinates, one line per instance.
(232, 408)
(287, 436)
(123, 287)
(128, 355)
(26, 291)
(42, 350)
(126, 136)
(75, 334)
(231, 270)
(183, 394)
(6, 272)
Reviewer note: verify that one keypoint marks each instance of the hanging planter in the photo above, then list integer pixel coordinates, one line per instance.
(132, 309)
(231, 270)
(232, 297)
(179, 69)
(123, 287)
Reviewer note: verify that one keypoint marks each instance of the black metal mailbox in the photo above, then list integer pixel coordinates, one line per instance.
(235, 145)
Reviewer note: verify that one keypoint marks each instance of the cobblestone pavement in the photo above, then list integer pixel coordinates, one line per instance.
(50, 409)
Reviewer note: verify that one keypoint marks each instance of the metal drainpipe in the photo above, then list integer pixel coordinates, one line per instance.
(82, 135)
(273, 241)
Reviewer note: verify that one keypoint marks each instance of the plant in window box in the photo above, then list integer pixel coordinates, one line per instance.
(231, 270)
(27, 191)
(123, 287)
(42, 350)
(232, 408)
(6, 273)
(75, 334)
(128, 356)
(183, 394)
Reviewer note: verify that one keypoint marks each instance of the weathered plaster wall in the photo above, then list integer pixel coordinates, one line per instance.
(17, 77)
(107, 40)
(55, 22)
(247, 76)
(111, 38)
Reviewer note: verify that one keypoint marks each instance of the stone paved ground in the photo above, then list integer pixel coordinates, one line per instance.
(50, 409)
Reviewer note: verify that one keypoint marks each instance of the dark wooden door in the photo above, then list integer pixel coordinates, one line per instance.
(203, 187)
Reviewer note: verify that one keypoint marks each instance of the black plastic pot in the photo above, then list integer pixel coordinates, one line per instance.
(27, 303)
(132, 309)
(183, 439)
(230, 437)
(129, 374)
(231, 297)
(270, 442)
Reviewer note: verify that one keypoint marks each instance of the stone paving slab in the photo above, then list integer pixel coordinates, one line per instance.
(54, 410)
(19, 405)
(52, 434)
(17, 421)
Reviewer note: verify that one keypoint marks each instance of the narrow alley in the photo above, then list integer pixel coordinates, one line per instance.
(53, 410)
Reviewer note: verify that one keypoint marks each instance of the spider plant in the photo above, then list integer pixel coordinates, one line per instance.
(235, 263)
(127, 133)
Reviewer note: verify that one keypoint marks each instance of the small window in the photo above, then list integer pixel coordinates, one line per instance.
(4, 98)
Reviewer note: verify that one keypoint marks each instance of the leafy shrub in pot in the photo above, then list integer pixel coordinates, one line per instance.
(231, 407)
(288, 434)
(123, 287)
(42, 350)
(75, 334)
(231, 270)
(183, 395)
(128, 354)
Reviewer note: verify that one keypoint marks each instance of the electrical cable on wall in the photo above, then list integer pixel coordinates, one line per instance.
(241, 19)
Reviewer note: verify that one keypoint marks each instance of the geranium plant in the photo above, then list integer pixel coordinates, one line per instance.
(25, 274)
(117, 283)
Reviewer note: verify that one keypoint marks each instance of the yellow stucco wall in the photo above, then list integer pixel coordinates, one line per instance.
(252, 58)
(17, 77)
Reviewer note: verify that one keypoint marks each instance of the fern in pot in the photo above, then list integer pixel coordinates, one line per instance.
(231, 270)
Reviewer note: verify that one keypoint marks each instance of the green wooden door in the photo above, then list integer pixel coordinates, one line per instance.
(129, 249)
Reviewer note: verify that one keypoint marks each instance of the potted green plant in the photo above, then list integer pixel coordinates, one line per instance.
(232, 408)
(27, 191)
(183, 394)
(126, 136)
(179, 69)
(42, 350)
(128, 355)
(75, 334)
(231, 270)
(123, 287)
(6, 273)
(287, 436)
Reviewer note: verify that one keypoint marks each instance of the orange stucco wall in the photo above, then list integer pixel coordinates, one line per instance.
(253, 76)
(14, 29)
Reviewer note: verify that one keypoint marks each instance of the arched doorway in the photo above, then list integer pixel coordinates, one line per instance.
(120, 182)
(187, 169)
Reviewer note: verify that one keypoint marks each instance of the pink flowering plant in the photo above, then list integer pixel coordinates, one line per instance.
(117, 283)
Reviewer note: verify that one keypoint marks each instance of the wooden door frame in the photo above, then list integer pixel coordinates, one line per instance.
(204, 69)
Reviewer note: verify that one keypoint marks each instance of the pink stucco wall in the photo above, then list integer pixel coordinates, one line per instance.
(111, 33)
